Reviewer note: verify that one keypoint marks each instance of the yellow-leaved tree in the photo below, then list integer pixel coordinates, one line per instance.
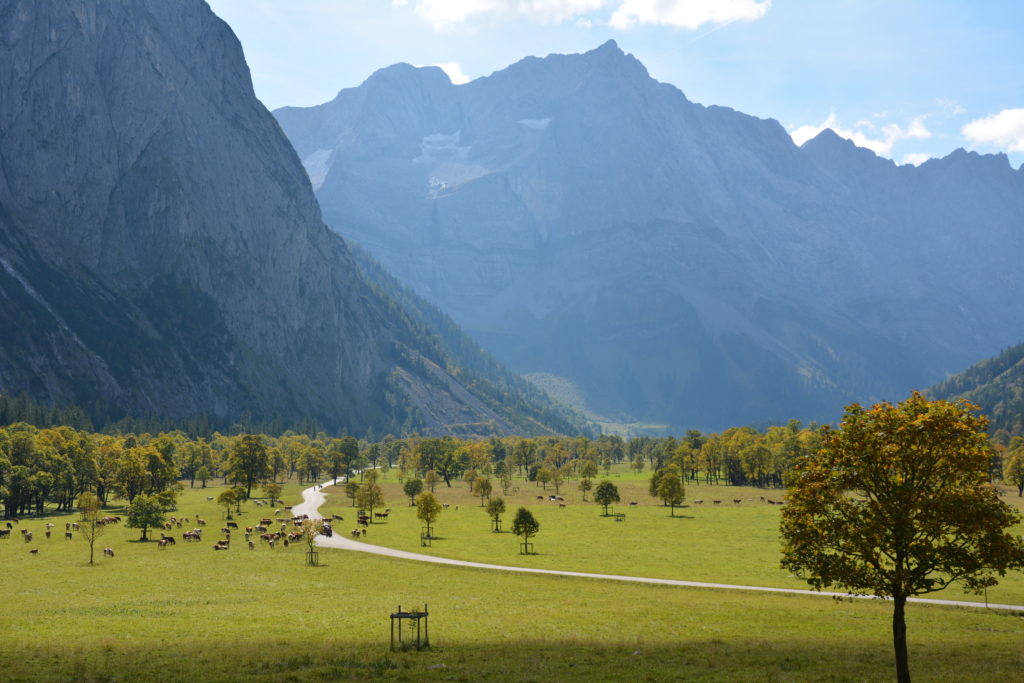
(895, 503)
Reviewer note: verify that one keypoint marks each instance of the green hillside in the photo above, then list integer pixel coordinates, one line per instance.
(997, 385)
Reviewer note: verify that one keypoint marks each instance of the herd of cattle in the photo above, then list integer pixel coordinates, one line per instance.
(261, 530)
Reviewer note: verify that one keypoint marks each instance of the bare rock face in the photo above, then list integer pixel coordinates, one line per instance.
(161, 249)
(680, 264)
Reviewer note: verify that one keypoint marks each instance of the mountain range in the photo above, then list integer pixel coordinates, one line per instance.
(162, 252)
(666, 262)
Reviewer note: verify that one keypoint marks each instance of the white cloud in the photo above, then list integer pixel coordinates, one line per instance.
(950, 107)
(444, 13)
(1004, 130)
(882, 146)
(688, 14)
(916, 158)
(454, 71)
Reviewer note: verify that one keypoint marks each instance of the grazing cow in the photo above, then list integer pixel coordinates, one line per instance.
(736, 500)
(108, 552)
(355, 533)
(220, 547)
(161, 544)
(67, 535)
(561, 505)
(771, 502)
(67, 526)
(716, 502)
(232, 525)
(698, 502)
(540, 497)
(363, 532)
(50, 525)
(633, 502)
(762, 499)
(342, 519)
(34, 551)
(47, 533)
(252, 546)
(285, 543)
(169, 539)
(209, 498)
(74, 526)
(9, 525)
(266, 521)
(445, 505)
(272, 543)
(28, 536)
(5, 533)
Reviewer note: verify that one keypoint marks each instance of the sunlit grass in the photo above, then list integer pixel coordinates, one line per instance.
(724, 543)
(190, 613)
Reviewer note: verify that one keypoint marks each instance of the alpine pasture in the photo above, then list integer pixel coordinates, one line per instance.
(189, 612)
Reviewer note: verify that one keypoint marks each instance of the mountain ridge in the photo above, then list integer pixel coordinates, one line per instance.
(680, 263)
(162, 250)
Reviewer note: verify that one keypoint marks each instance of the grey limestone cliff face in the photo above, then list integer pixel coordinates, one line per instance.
(681, 264)
(161, 249)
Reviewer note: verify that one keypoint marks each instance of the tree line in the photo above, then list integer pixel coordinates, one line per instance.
(56, 464)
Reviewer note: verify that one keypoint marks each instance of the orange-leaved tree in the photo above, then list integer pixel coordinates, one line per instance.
(897, 503)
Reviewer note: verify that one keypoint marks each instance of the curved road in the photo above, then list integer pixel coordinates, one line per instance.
(313, 498)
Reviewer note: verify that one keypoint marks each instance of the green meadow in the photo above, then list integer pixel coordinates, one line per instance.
(190, 613)
(730, 542)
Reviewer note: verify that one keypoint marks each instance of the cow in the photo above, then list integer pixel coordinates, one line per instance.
(161, 544)
(108, 552)
(736, 501)
(68, 535)
(252, 546)
(232, 525)
(633, 502)
(169, 539)
(5, 533)
(698, 502)
(27, 536)
(561, 505)
(34, 551)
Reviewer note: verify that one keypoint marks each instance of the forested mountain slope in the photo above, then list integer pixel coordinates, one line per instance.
(995, 384)
(677, 263)
(161, 249)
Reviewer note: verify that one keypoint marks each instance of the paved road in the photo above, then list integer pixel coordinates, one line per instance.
(313, 498)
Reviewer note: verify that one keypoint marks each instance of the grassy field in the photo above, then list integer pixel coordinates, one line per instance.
(724, 543)
(188, 612)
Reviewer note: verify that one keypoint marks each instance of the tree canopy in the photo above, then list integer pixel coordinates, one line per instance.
(606, 494)
(897, 503)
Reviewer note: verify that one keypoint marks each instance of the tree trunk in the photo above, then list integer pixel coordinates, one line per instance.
(899, 638)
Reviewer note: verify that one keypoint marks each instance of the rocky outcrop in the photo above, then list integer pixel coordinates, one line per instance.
(680, 264)
(161, 249)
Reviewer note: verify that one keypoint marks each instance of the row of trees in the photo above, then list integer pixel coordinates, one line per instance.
(56, 465)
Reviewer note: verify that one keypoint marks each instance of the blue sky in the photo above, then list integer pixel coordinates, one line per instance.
(909, 79)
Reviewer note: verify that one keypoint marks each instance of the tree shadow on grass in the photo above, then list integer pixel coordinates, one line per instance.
(340, 658)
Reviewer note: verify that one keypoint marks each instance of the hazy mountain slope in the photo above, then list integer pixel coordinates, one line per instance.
(678, 263)
(997, 385)
(161, 250)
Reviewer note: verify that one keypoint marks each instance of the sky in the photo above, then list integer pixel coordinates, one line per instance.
(908, 79)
